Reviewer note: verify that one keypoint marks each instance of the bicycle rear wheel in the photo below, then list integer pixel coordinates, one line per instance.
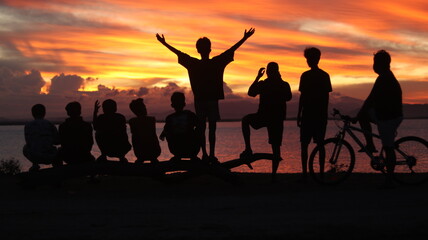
(412, 160)
(338, 163)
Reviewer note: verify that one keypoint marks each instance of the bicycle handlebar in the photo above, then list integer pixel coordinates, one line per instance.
(343, 117)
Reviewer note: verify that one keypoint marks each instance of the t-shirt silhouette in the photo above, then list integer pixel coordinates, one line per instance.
(274, 93)
(316, 85)
(144, 138)
(206, 76)
(386, 97)
(180, 132)
(76, 140)
(111, 134)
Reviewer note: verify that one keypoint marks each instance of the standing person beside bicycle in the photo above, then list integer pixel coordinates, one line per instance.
(384, 108)
(314, 88)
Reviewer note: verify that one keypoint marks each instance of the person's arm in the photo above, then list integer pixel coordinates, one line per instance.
(162, 135)
(288, 94)
(368, 103)
(89, 139)
(247, 34)
(302, 90)
(253, 90)
(55, 135)
(94, 118)
(164, 132)
(299, 112)
(162, 40)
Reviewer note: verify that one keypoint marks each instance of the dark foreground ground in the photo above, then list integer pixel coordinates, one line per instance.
(208, 208)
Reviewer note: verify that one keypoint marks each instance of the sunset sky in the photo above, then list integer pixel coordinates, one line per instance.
(55, 51)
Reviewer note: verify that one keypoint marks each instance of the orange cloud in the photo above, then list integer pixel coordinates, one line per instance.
(114, 40)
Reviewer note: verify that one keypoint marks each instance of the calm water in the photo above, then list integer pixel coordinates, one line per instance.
(229, 144)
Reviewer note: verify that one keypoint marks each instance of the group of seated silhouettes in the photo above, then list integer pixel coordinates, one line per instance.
(185, 130)
(75, 136)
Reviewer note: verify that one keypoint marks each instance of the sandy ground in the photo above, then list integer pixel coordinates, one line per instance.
(208, 208)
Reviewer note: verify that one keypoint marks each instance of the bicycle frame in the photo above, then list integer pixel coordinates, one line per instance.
(348, 129)
(412, 163)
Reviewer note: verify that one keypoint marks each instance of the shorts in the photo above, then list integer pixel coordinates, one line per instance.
(275, 127)
(207, 110)
(312, 129)
(387, 129)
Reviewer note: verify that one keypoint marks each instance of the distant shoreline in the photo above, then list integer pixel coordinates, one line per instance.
(22, 122)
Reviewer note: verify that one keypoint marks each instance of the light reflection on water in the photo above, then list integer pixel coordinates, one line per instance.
(230, 144)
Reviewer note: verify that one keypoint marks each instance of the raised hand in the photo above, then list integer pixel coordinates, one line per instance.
(261, 72)
(96, 107)
(160, 38)
(249, 33)
(162, 136)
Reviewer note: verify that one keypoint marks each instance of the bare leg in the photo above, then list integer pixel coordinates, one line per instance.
(203, 140)
(245, 125)
(322, 158)
(211, 134)
(304, 155)
(276, 150)
(366, 126)
(390, 164)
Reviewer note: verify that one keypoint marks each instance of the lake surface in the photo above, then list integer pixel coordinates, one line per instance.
(230, 144)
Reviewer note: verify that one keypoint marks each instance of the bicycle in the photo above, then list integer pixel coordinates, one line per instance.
(411, 165)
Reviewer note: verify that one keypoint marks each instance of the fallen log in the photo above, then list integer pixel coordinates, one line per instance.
(238, 162)
(187, 169)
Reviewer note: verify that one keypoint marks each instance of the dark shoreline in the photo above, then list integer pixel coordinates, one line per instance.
(208, 208)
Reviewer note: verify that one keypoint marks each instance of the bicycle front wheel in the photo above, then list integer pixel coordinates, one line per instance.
(337, 163)
(411, 166)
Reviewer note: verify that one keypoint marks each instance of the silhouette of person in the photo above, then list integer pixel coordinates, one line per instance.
(40, 138)
(274, 93)
(143, 128)
(110, 132)
(75, 137)
(314, 88)
(182, 130)
(384, 108)
(206, 80)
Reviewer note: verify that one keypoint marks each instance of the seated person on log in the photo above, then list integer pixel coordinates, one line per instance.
(274, 93)
(75, 136)
(182, 130)
(143, 128)
(40, 138)
(110, 132)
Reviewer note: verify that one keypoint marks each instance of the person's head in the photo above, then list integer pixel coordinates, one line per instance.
(109, 106)
(74, 109)
(381, 61)
(138, 107)
(312, 56)
(178, 101)
(272, 70)
(203, 45)
(38, 111)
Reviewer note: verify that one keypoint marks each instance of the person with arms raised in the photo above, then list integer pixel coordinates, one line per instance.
(206, 80)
